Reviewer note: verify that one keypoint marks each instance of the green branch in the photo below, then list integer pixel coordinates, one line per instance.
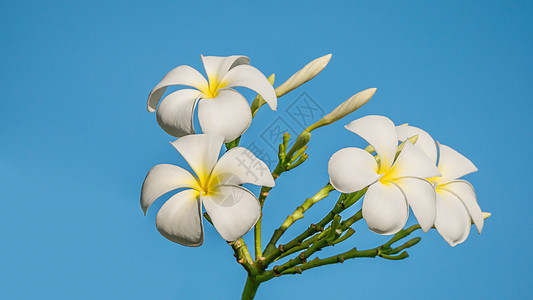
(345, 201)
(297, 214)
(286, 161)
(384, 251)
(243, 257)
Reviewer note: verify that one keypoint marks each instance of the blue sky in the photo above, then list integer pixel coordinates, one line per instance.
(77, 141)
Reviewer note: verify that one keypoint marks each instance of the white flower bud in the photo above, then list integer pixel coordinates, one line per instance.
(304, 75)
(346, 108)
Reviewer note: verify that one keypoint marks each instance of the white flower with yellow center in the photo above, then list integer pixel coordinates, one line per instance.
(457, 205)
(393, 184)
(233, 209)
(221, 109)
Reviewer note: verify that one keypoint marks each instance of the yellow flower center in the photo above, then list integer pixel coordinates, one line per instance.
(206, 184)
(387, 174)
(213, 87)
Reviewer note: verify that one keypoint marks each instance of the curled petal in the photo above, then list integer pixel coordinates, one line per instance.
(465, 192)
(182, 75)
(420, 196)
(162, 179)
(352, 169)
(180, 219)
(412, 162)
(453, 165)
(227, 114)
(385, 209)
(233, 209)
(239, 166)
(176, 112)
(200, 151)
(379, 132)
(250, 77)
(425, 142)
(217, 66)
(452, 221)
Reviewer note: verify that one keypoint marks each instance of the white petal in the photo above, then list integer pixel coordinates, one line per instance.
(200, 151)
(412, 162)
(465, 192)
(176, 112)
(182, 75)
(227, 114)
(239, 166)
(162, 179)
(180, 219)
(352, 169)
(234, 211)
(379, 132)
(385, 209)
(420, 195)
(453, 221)
(250, 77)
(424, 142)
(453, 165)
(217, 66)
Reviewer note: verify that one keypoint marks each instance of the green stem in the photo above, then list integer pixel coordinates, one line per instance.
(242, 255)
(345, 200)
(317, 262)
(257, 228)
(401, 234)
(293, 268)
(250, 288)
(257, 237)
(264, 193)
(345, 225)
(296, 215)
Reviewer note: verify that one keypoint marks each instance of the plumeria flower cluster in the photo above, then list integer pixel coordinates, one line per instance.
(406, 176)
(402, 169)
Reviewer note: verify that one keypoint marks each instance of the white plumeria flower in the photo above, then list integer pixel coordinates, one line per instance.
(393, 185)
(233, 209)
(226, 112)
(457, 205)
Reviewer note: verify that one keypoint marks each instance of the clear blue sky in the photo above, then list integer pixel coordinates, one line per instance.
(77, 141)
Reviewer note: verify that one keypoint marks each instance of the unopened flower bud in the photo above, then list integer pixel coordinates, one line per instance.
(346, 108)
(304, 75)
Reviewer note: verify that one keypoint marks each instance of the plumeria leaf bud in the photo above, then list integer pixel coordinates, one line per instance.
(304, 75)
(301, 141)
(346, 108)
